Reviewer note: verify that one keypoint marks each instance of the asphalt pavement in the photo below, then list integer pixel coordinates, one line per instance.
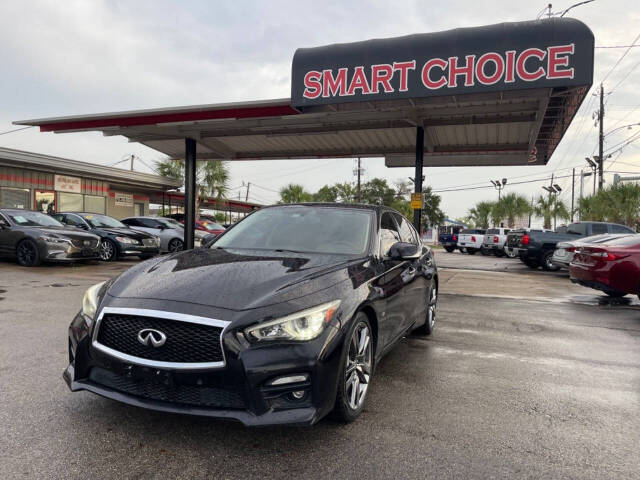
(525, 376)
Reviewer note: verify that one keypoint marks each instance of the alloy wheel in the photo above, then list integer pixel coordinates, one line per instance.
(106, 251)
(433, 301)
(175, 245)
(26, 253)
(358, 366)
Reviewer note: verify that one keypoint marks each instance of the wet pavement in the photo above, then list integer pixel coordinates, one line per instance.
(525, 376)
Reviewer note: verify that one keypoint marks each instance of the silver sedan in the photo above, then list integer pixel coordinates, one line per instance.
(170, 231)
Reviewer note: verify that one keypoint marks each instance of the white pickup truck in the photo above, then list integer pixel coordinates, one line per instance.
(470, 240)
(494, 240)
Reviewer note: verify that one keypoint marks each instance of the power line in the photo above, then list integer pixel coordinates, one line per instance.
(618, 46)
(16, 130)
(620, 59)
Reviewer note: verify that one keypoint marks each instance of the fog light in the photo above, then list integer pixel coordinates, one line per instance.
(298, 394)
(289, 379)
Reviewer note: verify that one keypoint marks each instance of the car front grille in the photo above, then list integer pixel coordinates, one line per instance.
(216, 397)
(186, 342)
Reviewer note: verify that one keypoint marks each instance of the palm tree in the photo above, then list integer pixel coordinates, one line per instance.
(294, 193)
(480, 214)
(617, 203)
(550, 207)
(212, 177)
(511, 206)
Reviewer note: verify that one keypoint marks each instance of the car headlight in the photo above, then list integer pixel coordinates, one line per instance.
(50, 239)
(300, 326)
(90, 301)
(127, 240)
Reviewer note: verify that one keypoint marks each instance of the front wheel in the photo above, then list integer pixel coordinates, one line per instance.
(176, 245)
(108, 250)
(485, 251)
(28, 254)
(471, 251)
(449, 249)
(547, 264)
(430, 321)
(355, 371)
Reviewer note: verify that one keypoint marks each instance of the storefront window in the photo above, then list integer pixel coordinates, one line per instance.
(94, 204)
(45, 201)
(70, 202)
(15, 197)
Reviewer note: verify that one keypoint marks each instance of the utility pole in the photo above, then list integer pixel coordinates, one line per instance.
(359, 172)
(601, 139)
(530, 210)
(246, 198)
(573, 190)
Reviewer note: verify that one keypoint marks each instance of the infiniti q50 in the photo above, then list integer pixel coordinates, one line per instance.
(281, 321)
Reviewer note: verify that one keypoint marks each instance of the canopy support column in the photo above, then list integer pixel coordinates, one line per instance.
(189, 193)
(417, 214)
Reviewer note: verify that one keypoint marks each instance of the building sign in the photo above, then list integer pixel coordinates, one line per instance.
(123, 199)
(63, 183)
(416, 201)
(509, 56)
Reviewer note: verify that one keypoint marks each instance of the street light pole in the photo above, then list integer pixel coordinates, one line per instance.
(601, 139)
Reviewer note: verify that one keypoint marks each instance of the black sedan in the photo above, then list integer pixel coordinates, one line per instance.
(118, 240)
(33, 237)
(281, 321)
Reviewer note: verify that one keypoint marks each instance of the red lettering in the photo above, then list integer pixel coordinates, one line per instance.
(523, 73)
(359, 80)
(509, 76)
(381, 74)
(499, 68)
(426, 76)
(467, 71)
(312, 85)
(557, 57)
(331, 86)
(403, 68)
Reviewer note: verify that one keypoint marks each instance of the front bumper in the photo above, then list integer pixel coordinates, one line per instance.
(238, 391)
(62, 252)
(129, 250)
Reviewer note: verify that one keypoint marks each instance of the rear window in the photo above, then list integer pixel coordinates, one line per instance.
(577, 229)
(620, 229)
(628, 241)
(493, 231)
(466, 231)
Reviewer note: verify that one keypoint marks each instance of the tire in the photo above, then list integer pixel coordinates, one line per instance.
(450, 249)
(463, 250)
(615, 294)
(530, 263)
(511, 254)
(485, 252)
(353, 371)
(499, 253)
(175, 245)
(546, 262)
(28, 254)
(108, 250)
(471, 251)
(430, 321)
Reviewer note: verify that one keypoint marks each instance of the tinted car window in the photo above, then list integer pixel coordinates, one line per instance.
(302, 229)
(562, 229)
(577, 229)
(493, 231)
(100, 221)
(598, 228)
(621, 229)
(72, 220)
(33, 219)
(132, 222)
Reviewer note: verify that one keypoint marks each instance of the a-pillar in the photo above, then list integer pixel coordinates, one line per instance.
(189, 193)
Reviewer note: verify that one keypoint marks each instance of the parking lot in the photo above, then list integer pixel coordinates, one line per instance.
(526, 376)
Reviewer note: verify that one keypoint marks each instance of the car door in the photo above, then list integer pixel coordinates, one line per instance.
(416, 286)
(5, 236)
(389, 284)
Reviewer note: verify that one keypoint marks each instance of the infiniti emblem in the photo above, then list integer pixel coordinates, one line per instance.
(150, 336)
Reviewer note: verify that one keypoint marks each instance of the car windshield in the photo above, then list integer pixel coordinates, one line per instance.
(33, 219)
(170, 222)
(212, 226)
(100, 221)
(302, 229)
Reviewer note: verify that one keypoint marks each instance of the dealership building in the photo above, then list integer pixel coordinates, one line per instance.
(52, 184)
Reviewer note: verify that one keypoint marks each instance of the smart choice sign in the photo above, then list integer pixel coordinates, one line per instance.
(509, 56)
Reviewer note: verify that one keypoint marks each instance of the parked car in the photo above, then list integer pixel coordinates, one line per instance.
(204, 223)
(493, 242)
(563, 254)
(511, 247)
(170, 231)
(282, 321)
(470, 240)
(612, 267)
(117, 239)
(448, 237)
(535, 248)
(33, 237)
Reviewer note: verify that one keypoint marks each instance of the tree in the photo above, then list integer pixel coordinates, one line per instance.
(549, 207)
(326, 194)
(511, 206)
(377, 192)
(294, 193)
(345, 192)
(481, 213)
(616, 203)
(212, 177)
(431, 213)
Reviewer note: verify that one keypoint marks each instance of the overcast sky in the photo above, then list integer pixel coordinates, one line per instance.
(78, 57)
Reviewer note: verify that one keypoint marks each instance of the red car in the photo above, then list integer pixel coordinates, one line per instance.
(612, 267)
(205, 223)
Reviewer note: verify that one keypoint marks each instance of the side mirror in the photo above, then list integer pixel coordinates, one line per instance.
(403, 250)
(162, 226)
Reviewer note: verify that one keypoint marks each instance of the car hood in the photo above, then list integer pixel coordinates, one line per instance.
(67, 232)
(232, 279)
(126, 232)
